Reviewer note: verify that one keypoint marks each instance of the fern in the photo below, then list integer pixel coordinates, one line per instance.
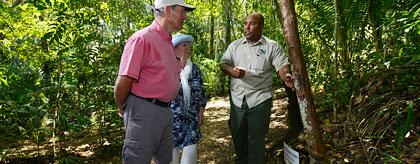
(402, 129)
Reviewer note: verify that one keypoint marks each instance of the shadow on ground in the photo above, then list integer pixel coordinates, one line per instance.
(89, 147)
(216, 144)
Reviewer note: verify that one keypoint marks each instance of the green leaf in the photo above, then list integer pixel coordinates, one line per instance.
(401, 53)
(403, 130)
(415, 57)
(43, 98)
(4, 81)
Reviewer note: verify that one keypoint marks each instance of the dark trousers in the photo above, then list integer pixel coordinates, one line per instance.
(249, 127)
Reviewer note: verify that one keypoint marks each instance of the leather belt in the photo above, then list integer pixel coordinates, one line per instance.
(155, 101)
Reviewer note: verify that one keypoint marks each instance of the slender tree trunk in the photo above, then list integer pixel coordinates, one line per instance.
(341, 60)
(129, 20)
(307, 108)
(227, 9)
(211, 52)
(375, 17)
(277, 6)
(341, 33)
(294, 119)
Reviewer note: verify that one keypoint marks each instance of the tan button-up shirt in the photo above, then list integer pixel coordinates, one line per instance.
(259, 60)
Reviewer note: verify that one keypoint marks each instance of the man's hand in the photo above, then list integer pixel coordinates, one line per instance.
(121, 112)
(235, 72)
(289, 81)
(284, 74)
(121, 91)
(238, 72)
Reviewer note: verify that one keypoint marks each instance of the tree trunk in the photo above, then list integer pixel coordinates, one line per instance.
(375, 17)
(211, 47)
(277, 7)
(341, 33)
(227, 9)
(341, 60)
(294, 119)
(307, 109)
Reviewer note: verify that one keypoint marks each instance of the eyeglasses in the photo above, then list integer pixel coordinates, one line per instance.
(183, 11)
(186, 44)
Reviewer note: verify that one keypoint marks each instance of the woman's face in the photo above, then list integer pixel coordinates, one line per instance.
(183, 50)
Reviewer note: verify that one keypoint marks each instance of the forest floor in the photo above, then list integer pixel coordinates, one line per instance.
(214, 147)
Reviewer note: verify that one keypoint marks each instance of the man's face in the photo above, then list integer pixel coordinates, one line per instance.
(253, 28)
(177, 16)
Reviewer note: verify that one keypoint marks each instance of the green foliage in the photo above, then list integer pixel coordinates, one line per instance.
(59, 59)
(403, 128)
(212, 75)
(68, 158)
(51, 55)
(392, 159)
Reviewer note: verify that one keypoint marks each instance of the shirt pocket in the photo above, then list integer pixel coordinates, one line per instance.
(259, 63)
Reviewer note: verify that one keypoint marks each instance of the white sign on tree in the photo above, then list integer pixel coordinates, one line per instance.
(290, 156)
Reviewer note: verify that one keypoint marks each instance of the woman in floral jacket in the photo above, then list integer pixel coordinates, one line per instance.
(188, 106)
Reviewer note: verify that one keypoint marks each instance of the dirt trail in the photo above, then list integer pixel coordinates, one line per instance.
(216, 144)
(214, 147)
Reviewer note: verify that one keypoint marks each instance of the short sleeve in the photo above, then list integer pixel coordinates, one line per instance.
(227, 57)
(279, 57)
(134, 57)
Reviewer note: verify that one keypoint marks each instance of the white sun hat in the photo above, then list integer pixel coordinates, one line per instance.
(163, 3)
(181, 38)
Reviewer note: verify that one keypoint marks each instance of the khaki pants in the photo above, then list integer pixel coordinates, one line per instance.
(249, 127)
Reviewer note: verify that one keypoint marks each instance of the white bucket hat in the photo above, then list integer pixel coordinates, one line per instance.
(181, 38)
(163, 3)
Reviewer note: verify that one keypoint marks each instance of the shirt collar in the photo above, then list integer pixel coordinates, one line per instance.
(262, 41)
(158, 28)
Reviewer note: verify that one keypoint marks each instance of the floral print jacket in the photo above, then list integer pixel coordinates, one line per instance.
(185, 121)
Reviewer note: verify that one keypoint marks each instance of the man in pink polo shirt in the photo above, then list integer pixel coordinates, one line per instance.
(148, 81)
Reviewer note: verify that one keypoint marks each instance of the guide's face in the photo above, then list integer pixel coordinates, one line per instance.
(253, 28)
